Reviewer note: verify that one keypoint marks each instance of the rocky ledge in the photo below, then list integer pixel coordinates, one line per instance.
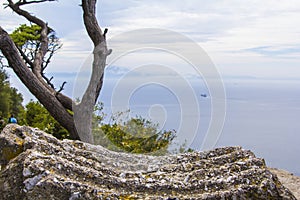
(36, 165)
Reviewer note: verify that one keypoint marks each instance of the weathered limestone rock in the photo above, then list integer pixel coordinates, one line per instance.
(289, 180)
(36, 165)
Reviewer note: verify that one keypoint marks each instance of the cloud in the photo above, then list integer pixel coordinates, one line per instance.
(236, 34)
(276, 51)
(9, 20)
(227, 30)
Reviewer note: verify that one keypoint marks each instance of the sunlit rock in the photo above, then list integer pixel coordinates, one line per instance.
(36, 165)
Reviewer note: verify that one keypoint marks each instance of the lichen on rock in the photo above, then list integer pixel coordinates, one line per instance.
(38, 166)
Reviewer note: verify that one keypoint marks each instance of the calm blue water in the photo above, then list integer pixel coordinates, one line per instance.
(262, 115)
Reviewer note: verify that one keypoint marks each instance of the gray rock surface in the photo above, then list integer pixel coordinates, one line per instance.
(35, 165)
(289, 180)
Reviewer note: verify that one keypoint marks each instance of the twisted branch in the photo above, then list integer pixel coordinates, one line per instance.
(25, 2)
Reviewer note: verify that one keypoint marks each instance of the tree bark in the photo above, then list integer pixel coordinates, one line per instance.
(39, 90)
(79, 125)
(39, 56)
(83, 111)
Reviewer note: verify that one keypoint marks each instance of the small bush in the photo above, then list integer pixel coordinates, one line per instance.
(134, 135)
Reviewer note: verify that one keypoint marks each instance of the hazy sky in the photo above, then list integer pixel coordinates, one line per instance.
(243, 38)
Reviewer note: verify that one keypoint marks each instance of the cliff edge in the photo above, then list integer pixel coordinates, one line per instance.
(35, 165)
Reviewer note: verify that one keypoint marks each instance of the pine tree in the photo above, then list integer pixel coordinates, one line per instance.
(10, 99)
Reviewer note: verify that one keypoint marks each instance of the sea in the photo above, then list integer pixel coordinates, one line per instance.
(261, 115)
(258, 114)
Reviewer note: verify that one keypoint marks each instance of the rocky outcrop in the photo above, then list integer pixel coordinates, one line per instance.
(289, 180)
(36, 165)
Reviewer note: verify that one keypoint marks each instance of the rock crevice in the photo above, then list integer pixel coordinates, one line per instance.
(36, 165)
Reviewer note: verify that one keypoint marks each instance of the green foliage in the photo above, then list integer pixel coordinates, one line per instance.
(28, 40)
(24, 34)
(16, 100)
(99, 137)
(4, 94)
(10, 99)
(37, 116)
(138, 136)
(135, 135)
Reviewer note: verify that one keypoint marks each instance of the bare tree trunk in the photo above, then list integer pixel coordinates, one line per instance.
(79, 125)
(84, 110)
(41, 92)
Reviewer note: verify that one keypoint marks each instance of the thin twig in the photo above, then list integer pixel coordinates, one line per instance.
(48, 81)
(62, 87)
(27, 60)
(24, 2)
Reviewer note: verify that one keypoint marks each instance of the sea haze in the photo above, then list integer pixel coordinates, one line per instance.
(262, 115)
